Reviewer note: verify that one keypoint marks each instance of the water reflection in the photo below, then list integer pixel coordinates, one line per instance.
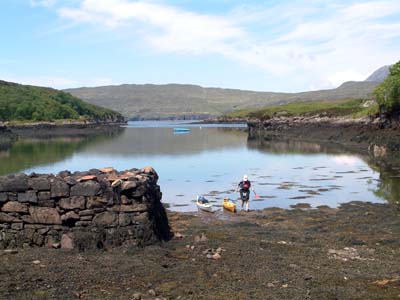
(28, 153)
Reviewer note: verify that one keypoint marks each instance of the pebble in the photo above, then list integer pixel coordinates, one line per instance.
(216, 256)
(10, 251)
(36, 262)
(152, 292)
(270, 285)
(137, 296)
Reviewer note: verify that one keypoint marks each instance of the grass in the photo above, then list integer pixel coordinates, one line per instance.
(355, 108)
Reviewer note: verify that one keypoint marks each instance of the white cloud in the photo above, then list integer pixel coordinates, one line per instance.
(304, 42)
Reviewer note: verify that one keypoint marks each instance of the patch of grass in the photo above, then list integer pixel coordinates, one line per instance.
(355, 108)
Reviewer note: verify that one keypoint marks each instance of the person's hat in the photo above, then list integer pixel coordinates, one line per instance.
(245, 177)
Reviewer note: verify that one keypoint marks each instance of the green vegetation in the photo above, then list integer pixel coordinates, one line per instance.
(30, 103)
(353, 108)
(388, 92)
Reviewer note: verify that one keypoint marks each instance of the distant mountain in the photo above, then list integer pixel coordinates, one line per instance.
(192, 101)
(379, 75)
(31, 103)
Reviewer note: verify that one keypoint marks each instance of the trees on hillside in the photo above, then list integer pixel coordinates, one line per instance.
(388, 93)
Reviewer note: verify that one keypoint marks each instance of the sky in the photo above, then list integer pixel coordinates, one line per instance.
(282, 46)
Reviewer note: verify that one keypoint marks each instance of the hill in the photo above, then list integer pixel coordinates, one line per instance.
(379, 75)
(31, 103)
(192, 101)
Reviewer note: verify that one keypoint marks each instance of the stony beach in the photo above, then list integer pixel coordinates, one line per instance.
(346, 253)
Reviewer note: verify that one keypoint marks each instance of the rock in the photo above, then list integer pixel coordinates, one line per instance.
(86, 212)
(5, 218)
(45, 215)
(107, 170)
(28, 196)
(270, 285)
(86, 188)
(14, 206)
(10, 251)
(178, 235)
(14, 183)
(124, 219)
(95, 202)
(46, 203)
(3, 197)
(105, 219)
(200, 238)
(152, 292)
(137, 296)
(216, 256)
(39, 183)
(36, 262)
(44, 195)
(125, 200)
(67, 241)
(128, 185)
(56, 245)
(70, 216)
(59, 188)
(75, 202)
(150, 170)
(87, 177)
(135, 207)
(17, 226)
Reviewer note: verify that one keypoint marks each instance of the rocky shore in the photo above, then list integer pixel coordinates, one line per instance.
(346, 253)
(380, 137)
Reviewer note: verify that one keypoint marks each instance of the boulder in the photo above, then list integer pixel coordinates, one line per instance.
(45, 215)
(14, 206)
(106, 219)
(28, 196)
(86, 188)
(75, 202)
(128, 185)
(59, 188)
(39, 183)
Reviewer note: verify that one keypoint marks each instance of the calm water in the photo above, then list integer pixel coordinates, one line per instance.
(210, 160)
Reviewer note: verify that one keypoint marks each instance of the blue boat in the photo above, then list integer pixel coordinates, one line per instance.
(181, 130)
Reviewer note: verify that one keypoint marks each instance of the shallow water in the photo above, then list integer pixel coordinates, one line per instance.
(210, 160)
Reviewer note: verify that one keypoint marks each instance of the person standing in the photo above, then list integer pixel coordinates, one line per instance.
(244, 188)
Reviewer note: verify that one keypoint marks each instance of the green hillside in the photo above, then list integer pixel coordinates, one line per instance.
(349, 107)
(178, 100)
(30, 103)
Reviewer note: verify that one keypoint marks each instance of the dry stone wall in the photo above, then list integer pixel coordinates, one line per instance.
(84, 210)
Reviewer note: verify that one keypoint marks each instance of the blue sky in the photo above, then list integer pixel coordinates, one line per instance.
(256, 45)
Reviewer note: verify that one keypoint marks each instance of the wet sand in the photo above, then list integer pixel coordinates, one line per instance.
(347, 253)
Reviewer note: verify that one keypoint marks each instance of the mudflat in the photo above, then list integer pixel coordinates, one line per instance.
(347, 253)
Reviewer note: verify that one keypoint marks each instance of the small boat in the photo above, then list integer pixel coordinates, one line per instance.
(229, 205)
(181, 130)
(203, 204)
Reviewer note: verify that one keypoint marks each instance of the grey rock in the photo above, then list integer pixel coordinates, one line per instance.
(45, 215)
(14, 183)
(44, 195)
(3, 197)
(75, 202)
(105, 219)
(86, 188)
(28, 196)
(17, 226)
(59, 188)
(6, 218)
(39, 183)
(46, 203)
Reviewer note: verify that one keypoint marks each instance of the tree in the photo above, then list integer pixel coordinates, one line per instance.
(388, 92)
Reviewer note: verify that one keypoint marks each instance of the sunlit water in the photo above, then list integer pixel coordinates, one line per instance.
(208, 160)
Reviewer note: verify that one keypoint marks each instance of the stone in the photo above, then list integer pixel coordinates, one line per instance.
(56, 245)
(86, 218)
(14, 183)
(14, 206)
(28, 196)
(17, 226)
(83, 223)
(86, 188)
(44, 195)
(67, 241)
(105, 219)
(137, 296)
(12, 196)
(75, 202)
(3, 197)
(135, 207)
(5, 218)
(139, 192)
(59, 188)
(128, 185)
(125, 200)
(150, 170)
(39, 183)
(142, 218)
(86, 212)
(124, 219)
(216, 256)
(46, 203)
(36, 262)
(95, 202)
(107, 170)
(45, 215)
(70, 216)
